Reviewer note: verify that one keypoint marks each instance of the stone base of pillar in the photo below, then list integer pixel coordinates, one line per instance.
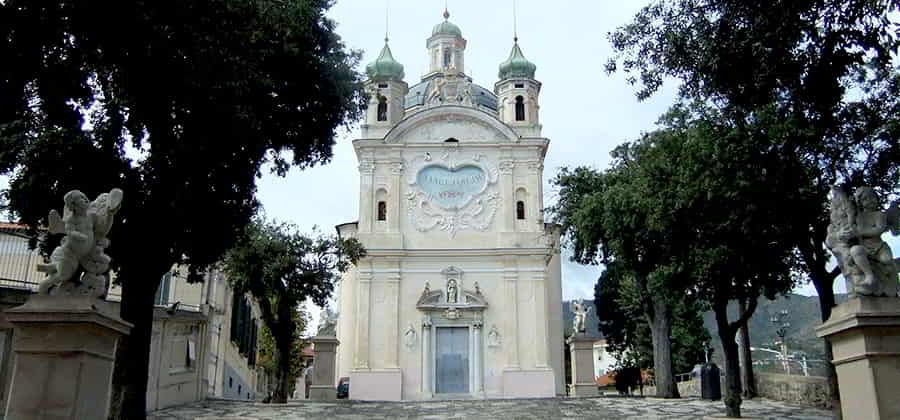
(323, 386)
(65, 351)
(581, 352)
(538, 383)
(865, 339)
(376, 385)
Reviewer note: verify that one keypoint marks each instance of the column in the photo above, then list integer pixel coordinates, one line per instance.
(426, 356)
(479, 374)
(361, 353)
(508, 195)
(323, 386)
(540, 320)
(865, 340)
(366, 193)
(392, 326)
(510, 280)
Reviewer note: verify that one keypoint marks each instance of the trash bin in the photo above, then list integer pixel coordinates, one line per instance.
(710, 383)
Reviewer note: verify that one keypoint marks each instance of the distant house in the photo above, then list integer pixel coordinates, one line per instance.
(204, 339)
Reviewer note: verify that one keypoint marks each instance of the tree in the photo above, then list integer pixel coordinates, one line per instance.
(621, 216)
(282, 268)
(820, 76)
(740, 243)
(628, 336)
(179, 104)
(268, 351)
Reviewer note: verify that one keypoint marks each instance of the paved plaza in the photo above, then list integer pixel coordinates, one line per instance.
(550, 408)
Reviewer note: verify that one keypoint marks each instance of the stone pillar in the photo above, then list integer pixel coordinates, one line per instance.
(323, 386)
(581, 348)
(476, 356)
(426, 357)
(865, 339)
(65, 353)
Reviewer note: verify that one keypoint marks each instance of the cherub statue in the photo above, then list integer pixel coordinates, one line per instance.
(854, 237)
(86, 226)
(580, 310)
(77, 225)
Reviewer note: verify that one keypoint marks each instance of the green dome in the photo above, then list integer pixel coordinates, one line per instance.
(517, 65)
(446, 28)
(385, 67)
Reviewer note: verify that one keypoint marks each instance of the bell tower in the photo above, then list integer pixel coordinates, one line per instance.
(517, 93)
(386, 91)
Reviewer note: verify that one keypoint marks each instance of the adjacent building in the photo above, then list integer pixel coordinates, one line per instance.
(460, 292)
(204, 336)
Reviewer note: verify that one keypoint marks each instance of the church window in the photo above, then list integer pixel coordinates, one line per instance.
(520, 108)
(382, 108)
(520, 210)
(520, 85)
(451, 140)
(382, 85)
(447, 58)
(382, 211)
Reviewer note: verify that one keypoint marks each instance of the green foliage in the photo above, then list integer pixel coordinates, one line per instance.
(816, 80)
(178, 103)
(627, 333)
(267, 349)
(281, 268)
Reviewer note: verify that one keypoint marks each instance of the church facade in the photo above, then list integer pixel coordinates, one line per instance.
(460, 292)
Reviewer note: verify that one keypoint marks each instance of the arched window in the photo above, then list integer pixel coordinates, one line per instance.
(447, 57)
(520, 108)
(382, 211)
(382, 108)
(520, 210)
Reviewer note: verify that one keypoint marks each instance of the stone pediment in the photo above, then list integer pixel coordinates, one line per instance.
(464, 124)
(436, 300)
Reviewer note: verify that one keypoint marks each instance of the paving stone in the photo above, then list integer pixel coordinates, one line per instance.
(576, 408)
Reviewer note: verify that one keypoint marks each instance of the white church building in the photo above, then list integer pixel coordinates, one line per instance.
(459, 294)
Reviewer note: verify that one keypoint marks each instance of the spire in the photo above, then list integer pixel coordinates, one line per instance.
(515, 24)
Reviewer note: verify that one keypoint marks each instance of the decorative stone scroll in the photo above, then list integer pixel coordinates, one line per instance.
(450, 192)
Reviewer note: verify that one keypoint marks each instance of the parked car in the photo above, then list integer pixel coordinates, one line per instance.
(343, 388)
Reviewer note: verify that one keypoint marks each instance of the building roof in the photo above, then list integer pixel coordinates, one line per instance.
(446, 28)
(517, 65)
(385, 67)
(418, 93)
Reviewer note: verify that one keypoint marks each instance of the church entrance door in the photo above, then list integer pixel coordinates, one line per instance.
(452, 360)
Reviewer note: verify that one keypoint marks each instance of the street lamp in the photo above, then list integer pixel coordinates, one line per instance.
(781, 324)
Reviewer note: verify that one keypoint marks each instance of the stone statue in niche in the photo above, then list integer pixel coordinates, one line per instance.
(493, 337)
(86, 225)
(854, 237)
(452, 291)
(580, 310)
(409, 337)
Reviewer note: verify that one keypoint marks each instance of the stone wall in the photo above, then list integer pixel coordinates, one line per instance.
(806, 390)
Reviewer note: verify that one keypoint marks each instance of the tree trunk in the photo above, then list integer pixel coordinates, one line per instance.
(129, 385)
(283, 372)
(732, 364)
(746, 358)
(824, 284)
(661, 330)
